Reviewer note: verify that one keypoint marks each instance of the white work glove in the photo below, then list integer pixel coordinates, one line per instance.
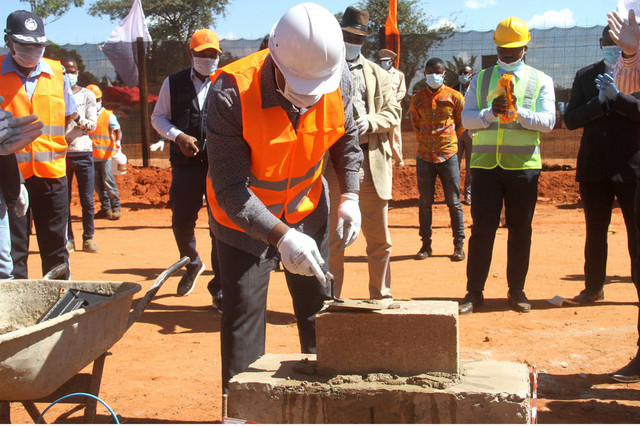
(22, 204)
(363, 125)
(625, 35)
(17, 133)
(349, 219)
(300, 255)
(159, 144)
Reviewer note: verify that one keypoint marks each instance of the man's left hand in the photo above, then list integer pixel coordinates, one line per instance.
(349, 219)
(17, 133)
(363, 125)
(607, 86)
(187, 145)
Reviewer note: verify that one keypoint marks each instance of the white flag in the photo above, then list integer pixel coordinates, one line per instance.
(121, 49)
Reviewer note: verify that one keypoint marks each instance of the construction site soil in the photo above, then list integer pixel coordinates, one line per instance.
(166, 369)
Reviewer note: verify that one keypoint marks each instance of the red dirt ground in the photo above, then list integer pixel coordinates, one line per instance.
(166, 369)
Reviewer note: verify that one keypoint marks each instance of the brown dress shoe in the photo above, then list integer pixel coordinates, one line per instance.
(519, 301)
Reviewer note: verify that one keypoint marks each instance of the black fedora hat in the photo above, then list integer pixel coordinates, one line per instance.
(26, 27)
(355, 21)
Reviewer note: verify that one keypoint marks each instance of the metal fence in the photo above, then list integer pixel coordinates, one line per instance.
(559, 52)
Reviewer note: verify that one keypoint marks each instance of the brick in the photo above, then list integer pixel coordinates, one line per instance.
(413, 338)
(275, 390)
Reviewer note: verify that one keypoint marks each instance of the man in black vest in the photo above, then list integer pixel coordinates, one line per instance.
(180, 116)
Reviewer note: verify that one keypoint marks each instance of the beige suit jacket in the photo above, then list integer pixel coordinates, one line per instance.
(383, 113)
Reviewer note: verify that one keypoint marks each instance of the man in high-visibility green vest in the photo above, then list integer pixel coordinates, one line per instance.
(505, 162)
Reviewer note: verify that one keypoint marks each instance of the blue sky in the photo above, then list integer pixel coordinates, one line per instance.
(252, 19)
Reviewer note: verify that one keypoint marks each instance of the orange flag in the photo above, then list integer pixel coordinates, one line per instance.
(391, 32)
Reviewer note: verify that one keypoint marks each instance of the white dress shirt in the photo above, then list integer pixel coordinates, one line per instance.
(161, 116)
(541, 120)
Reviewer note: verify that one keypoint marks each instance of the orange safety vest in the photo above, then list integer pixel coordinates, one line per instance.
(104, 143)
(286, 166)
(46, 156)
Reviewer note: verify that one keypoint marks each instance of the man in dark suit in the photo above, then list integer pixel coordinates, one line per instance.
(607, 167)
(465, 143)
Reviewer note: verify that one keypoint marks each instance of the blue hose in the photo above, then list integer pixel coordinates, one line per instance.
(113, 414)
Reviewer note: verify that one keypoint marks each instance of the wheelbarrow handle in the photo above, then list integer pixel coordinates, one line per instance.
(153, 290)
(57, 271)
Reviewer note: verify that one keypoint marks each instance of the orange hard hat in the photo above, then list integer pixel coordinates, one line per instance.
(96, 90)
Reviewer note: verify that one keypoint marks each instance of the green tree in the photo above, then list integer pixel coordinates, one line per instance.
(452, 67)
(168, 19)
(418, 33)
(52, 10)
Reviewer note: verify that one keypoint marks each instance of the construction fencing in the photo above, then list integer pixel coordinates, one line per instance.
(559, 52)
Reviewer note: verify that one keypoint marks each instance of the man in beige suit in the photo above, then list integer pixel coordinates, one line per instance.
(387, 59)
(376, 111)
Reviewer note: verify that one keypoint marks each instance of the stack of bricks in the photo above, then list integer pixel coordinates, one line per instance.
(394, 365)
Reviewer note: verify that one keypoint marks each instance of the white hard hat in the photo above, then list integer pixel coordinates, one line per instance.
(307, 46)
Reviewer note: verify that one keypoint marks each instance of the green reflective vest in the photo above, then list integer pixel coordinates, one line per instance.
(507, 145)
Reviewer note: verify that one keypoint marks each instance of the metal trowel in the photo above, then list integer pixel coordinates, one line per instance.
(337, 304)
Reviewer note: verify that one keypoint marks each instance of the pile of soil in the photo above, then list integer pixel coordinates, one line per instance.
(150, 186)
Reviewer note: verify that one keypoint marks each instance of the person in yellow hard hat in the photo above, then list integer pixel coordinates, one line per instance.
(505, 162)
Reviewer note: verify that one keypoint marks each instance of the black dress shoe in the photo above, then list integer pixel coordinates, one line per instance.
(630, 373)
(424, 252)
(519, 301)
(470, 302)
(588, 296)
(458, 254)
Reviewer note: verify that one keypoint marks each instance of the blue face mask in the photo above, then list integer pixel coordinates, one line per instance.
(511, 67)
(611, 55)
(352, 51)
(464, 79)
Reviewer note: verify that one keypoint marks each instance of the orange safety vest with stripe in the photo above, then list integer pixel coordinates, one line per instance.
(286, 166)
(46, 156)
(104, 143)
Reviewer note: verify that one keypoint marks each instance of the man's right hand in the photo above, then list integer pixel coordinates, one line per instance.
(500, 106)
(300, 255)
(187, 145)
(625, 35)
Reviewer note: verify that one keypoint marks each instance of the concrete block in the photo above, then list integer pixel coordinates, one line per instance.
(408, 338)
(283, 389)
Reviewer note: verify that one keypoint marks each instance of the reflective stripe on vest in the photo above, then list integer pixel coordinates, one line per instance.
(507, 145)
(44, 157)
(104, 145)
(286, 165)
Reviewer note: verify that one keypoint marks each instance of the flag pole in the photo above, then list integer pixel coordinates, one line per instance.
(144, 105)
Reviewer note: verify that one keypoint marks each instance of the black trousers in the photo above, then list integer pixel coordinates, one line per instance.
(636, 262)
(245, 279)
(188, 186)
(518, 191)
(49, 207)
(598, 198)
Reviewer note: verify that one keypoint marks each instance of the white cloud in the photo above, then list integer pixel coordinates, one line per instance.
(553, 18)
(445, 22)
(479, 4)
(229, 36)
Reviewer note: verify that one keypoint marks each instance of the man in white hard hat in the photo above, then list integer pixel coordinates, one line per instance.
(273, 116)
(377, 110)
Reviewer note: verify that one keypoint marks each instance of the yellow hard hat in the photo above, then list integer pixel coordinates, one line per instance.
(511, 32)
(96, 90)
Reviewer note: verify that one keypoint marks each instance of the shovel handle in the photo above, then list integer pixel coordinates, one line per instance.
(153, 290)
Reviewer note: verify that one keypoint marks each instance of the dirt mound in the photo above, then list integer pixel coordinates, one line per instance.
(150, 186)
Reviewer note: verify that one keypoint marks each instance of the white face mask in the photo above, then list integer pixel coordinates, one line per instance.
(205, 66)
(99, 105)
(298, 99)
(73, 79)
(27, 56)
(513, 66)
(434, 80)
